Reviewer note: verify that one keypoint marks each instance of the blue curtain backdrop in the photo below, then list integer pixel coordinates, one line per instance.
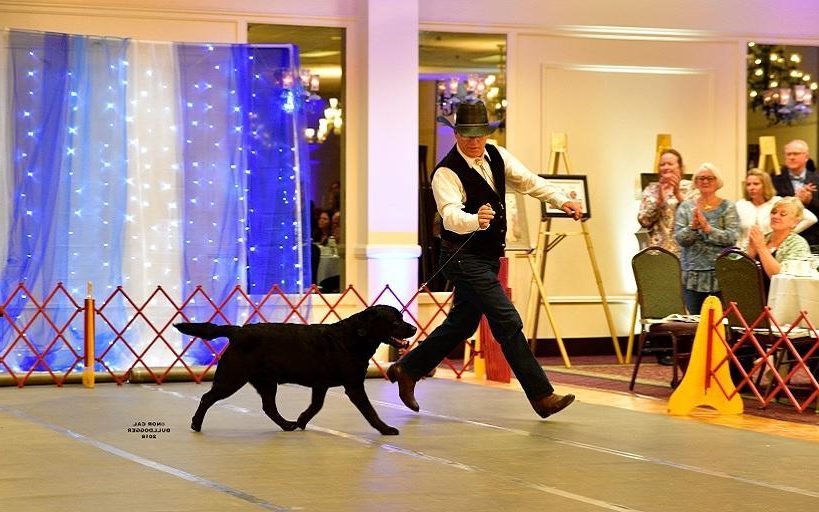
(236, 169)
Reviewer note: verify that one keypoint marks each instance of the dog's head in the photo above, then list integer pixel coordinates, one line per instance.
(384, 324)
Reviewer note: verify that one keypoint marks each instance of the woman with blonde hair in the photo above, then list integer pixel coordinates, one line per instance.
(704, 226)
(755, 209)
(782, 243)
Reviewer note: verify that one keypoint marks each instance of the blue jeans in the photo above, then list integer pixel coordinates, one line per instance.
(695, 299)
(478, 292)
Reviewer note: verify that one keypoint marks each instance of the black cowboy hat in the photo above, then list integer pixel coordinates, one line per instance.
(471, 120)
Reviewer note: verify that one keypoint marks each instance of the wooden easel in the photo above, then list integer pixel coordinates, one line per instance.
(767, 153)
(537, 263)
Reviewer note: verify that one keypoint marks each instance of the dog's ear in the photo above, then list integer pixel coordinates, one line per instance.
(370, 322)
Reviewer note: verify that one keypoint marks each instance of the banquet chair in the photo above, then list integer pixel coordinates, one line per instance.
(315, 254)
(643, 238)
(741, 282)
(659, 293)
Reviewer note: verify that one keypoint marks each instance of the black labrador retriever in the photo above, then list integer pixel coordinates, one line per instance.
(316, 356)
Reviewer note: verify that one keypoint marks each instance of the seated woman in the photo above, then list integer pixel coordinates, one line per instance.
(781, 244)
(322, 232)
(755, 208)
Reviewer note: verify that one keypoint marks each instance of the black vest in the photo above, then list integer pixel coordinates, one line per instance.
(489, 243)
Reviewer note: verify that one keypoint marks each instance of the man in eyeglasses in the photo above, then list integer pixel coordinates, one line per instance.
(796, 180)
(470, 186)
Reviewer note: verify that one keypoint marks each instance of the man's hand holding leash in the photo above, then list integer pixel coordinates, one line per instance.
(485, 216)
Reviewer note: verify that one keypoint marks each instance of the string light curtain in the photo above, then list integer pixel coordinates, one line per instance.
(140, 164)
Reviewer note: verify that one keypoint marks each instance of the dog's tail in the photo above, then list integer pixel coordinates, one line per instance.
(206, 331)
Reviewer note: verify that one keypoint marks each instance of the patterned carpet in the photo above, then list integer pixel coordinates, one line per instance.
(603, 372)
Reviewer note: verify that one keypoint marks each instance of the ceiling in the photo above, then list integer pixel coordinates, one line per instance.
(445, 53)
(441, 54)
(320, 50)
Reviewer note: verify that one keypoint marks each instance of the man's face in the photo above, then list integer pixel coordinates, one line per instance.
(472, 147)
(796, 157)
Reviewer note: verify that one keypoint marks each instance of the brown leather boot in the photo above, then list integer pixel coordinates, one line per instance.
(406, 385)
(551, 404)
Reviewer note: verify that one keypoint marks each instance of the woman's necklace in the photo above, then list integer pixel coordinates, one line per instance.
(705, 205)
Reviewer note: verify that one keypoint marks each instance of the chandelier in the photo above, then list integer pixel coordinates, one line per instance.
(330, 123)
(777, 85)
(309, 84)
(455, 91)
(488, 88)
(315, 105)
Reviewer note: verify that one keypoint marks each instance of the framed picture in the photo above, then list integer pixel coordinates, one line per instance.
(574, 186)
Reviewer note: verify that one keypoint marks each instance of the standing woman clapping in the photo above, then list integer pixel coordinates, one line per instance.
(755, 208)
(660, 200)
(704, 227)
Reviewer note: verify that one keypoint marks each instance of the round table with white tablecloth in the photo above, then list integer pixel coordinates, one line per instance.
(328, 266)
(329, 263)
(789, 295)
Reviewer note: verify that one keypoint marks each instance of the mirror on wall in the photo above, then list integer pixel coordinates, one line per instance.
(782, 98)
(453, 66)
(321, 54)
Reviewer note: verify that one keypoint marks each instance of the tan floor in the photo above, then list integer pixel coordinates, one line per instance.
(643, 403)
(472, 448)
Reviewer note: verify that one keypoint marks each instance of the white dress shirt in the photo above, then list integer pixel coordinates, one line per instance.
(450, 195)
(798, 180)
(753, 215)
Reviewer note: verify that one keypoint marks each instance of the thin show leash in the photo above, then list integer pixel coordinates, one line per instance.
(442, 267)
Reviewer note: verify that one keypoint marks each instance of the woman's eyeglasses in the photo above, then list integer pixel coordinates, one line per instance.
(705, 179)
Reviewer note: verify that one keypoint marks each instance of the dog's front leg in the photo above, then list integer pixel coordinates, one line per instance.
(267, 390)
(316, 403)
(358, 396)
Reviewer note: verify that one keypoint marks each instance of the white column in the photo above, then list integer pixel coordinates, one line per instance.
(385, 196)
(388, 50)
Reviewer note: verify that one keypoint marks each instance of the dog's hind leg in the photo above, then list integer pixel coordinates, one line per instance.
(216, 393)
(358, 396)
(316, 403)
(267, 390)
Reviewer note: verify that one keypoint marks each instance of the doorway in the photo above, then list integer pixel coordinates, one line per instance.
(775, 106)
(321, 57)
(453, 66)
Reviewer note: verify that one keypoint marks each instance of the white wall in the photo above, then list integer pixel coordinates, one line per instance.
(610, 74)
(611, 98)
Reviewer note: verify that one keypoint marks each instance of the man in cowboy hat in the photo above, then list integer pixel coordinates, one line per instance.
(469, 185)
